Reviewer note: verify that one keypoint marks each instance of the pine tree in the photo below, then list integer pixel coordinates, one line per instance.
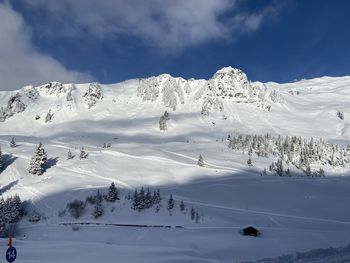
(98, 210)
(98, 197)
(200, 161)
(135, 200)
(159, 198)
(16, 209)
(148, 199)
(141, 199)
(249, 162)
(288, 172)
(308, 171)
(182, 206)
(83, 153)
(166, 115)
(112, 194)
(321, 172)
(193, 214)
(70, 155)
(13, 143)
(171, 202)
(38, 161)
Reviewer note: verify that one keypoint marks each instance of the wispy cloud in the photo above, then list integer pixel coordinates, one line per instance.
(20, 62)
(167, 24)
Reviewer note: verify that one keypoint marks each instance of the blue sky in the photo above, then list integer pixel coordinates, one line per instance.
(113, 40)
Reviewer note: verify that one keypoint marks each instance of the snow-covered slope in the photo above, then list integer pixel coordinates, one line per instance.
(294, 213)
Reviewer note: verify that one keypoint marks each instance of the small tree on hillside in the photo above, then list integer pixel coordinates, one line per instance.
(38, 161)
(13, 143)
(182, 206)
(171, 202)
(166, 115)
(98, 210)
(193, 214)
(200, 161)
(340, 115)
(83, 153)
(112, 194)
(249, 162)
(70, 155)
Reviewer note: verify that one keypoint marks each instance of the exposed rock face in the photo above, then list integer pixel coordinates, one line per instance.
(93, 94)
(14, 105)
(229, 84)
(148, 89)
(51, 88)
(232, 83)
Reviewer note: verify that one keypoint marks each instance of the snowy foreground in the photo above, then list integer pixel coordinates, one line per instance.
(295, 213)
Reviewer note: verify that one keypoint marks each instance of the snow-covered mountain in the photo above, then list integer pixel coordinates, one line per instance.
(270, 125)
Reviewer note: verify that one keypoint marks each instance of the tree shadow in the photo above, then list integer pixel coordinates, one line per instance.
(8, 159)
(8, 187)
(51, 162)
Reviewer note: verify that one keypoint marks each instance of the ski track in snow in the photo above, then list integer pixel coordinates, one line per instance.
(194, 160)
(270, 213)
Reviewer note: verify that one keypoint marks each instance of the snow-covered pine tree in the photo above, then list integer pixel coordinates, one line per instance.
(98, 210)
(98, 197)
(162, 123)
(288, 172)
(249, 162)
(200, 161)
(13, 143)
(193, 214)
(308, 171)
(112, 194)
(148, 199)
(166, 115)
(279, 169)
(171, 202)
(70, 155)
(83, 153)
(38, 161)
(142, 198)
(321, 172)
(182, 206)
(340, 115)
(16, 208)
(135, 200)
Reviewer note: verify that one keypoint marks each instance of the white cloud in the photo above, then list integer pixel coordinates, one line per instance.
(169, 24)
(20, 62)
